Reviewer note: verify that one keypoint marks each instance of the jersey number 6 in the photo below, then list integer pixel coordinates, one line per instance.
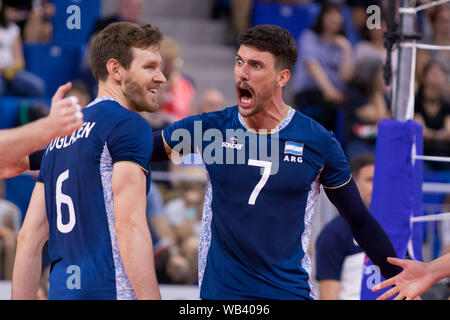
(62, 198)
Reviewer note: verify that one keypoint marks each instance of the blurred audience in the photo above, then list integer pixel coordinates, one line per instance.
(171, 266)
(14, 79)
(33, 18)
(210, 101)
(440, 21)
(324, 66)
(365, 106)
(184, 212)
(80, 90)
(433, 112)
(177, 94)
(127, 10)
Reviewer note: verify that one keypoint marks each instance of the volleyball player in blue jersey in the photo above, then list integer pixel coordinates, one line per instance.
(257, 215)
(90, 200)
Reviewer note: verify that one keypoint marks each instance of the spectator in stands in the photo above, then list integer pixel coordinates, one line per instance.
(324, 67)
(440, 21)
(10, 223)
(433, 112)
(33, 19)
(171, 266)
(38, 28)
(339, 259)
(13, 76)
(185, 212)
(372, 44)
(127, 10)
(80, 90)
(177, 94)
(211, 100)
(365, 105)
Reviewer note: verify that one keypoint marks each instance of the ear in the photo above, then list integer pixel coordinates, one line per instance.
(115, 70)
(283, 77)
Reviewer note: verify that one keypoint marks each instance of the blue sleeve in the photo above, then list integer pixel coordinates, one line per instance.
(35, 159)
(336, 172)
(330, 253)
(367, 232)
(131, 141)
(184, 136)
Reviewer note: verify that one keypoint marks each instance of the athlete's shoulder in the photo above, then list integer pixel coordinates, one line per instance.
(220, 118)
(111, 112)
(309, 126)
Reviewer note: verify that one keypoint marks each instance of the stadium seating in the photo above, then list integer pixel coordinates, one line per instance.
(89, 13)
(55, 64)
(9, 108)
(292, 17)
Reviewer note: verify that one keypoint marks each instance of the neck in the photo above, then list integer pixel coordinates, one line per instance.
(268, 118)
(106, 89)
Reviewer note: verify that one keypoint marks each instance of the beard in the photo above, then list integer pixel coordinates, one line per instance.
(259, 100)
(136, 96)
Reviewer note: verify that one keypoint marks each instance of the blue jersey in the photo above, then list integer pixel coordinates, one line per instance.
(259, 201)
(77, 175)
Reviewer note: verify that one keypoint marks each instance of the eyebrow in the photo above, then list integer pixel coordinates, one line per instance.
(251, 61)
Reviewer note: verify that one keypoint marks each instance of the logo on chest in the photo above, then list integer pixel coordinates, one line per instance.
(232, 144)
(293, 152)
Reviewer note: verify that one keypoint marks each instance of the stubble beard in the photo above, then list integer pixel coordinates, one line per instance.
(135, 95)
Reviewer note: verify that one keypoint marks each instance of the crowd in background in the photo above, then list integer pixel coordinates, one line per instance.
(338, 81)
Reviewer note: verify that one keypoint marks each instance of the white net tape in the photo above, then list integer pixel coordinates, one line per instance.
(423, 7)
(432, 217)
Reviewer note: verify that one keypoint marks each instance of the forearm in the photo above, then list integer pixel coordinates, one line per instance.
(17, 143)
(136, 251)
(346, 66)
(367, 232)
(27, 271)
(319, 76)
(440, 268)
(371, 237)
(329, 289)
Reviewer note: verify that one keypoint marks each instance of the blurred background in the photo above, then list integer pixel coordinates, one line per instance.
(338, 80)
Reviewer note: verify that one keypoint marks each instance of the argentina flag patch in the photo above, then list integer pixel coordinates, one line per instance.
(294, 148)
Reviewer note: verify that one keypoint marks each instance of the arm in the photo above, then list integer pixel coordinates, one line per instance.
(365, 229)
(31, 239)
(133, 235)
(329, 289)
(416, 278)
(346, 66)
(18, 53)
(63, 119)
(329, 90)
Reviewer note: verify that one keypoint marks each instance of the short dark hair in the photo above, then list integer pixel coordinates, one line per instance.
(360, 161)
(275, 40)
(115, 42)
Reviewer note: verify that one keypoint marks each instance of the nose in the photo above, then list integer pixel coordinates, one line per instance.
(159, 77)
(242, 72)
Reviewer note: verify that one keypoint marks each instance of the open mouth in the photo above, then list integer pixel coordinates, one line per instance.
(153, 92)
(245, 96)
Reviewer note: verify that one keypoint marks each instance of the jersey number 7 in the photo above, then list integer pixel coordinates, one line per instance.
(267, 166)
